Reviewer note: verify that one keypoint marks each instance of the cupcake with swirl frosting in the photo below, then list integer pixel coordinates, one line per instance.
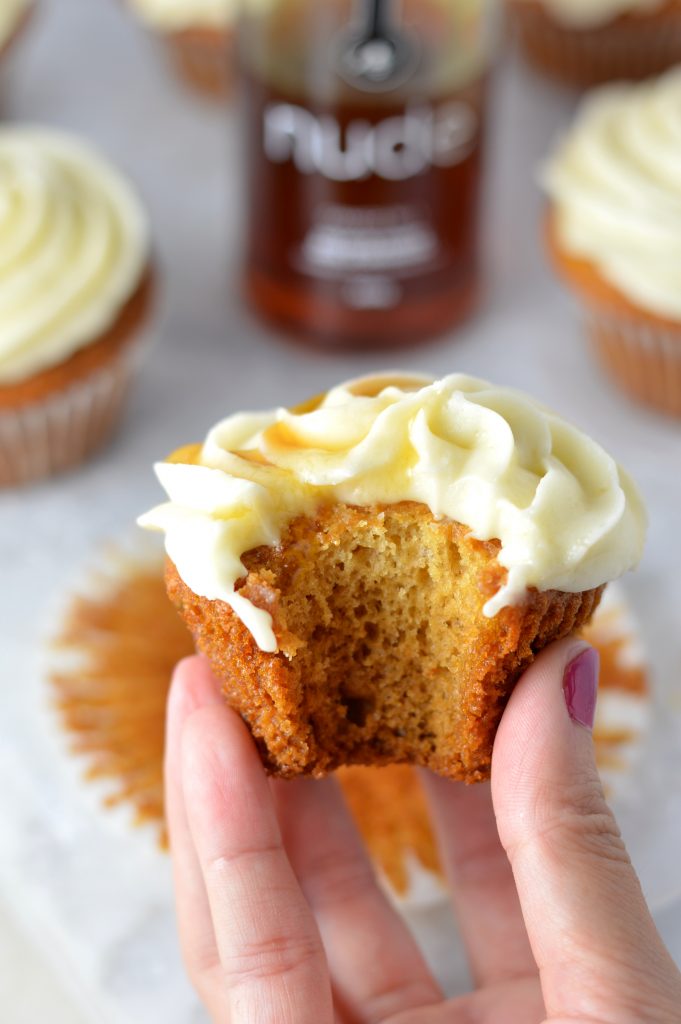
(75, 286)
(588, 42)
(370, 572)
(614, 231)
(13, 17)
(199, 37)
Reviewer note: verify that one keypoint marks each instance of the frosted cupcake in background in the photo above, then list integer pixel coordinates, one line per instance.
(587, 42)
(199, 38)
(75, 285)
(614, 231)
(14, 15)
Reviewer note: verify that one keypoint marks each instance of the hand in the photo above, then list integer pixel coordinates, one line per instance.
(282, 922)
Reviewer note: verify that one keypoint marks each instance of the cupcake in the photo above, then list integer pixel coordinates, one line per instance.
(74, 290)
(614, 231)
(587, 42)
(199, 37)
(13, 17)
(370, 572)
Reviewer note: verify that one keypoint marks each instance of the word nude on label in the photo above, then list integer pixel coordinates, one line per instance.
(396, 148)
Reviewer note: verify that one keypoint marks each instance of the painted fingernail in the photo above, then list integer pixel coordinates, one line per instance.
(580, 686)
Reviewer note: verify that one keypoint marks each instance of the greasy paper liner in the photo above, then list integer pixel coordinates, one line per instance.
(627, 47)
(642, 357)
(204, 59)
(65, 427)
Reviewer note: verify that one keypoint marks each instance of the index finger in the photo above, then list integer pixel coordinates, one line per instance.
(272, 959)
(598, 951)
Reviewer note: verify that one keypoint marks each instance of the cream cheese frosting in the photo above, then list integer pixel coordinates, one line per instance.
(175, 15)
(11, 11)
(73, 248)
(615, 182)
(491, 458)
(586, 14)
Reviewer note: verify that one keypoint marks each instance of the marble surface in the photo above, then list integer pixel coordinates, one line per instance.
(85, 904)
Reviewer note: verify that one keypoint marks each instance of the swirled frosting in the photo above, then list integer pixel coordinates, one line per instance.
(11, 11)
(586, 14)
(73, 248)
(566, 515)
(175, 15)
(615, 182)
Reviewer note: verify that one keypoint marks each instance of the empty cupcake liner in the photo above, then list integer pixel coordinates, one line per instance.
(643, 358)
(61, 430)
(625, 48)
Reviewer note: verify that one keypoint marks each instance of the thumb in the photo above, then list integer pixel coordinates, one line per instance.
(592, 936)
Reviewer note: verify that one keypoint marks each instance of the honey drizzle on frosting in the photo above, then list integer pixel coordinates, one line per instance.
(566, 515)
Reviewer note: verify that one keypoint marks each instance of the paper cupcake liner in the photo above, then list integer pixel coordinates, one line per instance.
(61, 430)
(625, 48)
(644, 359)
(203, 59)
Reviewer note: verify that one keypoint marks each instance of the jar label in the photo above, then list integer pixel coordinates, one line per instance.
(395, 148)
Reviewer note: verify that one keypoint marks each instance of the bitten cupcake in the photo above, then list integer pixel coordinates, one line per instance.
(370, 572)
(199, 38)
(614, 231)
(587, 42)
(74, 289)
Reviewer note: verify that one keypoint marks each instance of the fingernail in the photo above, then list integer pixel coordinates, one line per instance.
(580, 686)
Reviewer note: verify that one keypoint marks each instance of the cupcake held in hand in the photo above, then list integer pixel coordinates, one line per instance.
(74, 289)
(614, 231)
(369, 573)
(588, 42)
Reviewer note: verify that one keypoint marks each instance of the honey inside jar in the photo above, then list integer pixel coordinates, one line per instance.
(364, 127)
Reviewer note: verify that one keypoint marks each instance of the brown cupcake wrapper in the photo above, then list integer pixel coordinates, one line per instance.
(202, 59)
(65, 427)
(643, 358)
(628, 47)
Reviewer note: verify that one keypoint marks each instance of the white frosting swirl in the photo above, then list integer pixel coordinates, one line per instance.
(175, 15)
(566, 516)
(615, 182)
(11, 11)
(73, 247)
(586, 14)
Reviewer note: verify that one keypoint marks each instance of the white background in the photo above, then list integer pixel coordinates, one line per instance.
(85, 904)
